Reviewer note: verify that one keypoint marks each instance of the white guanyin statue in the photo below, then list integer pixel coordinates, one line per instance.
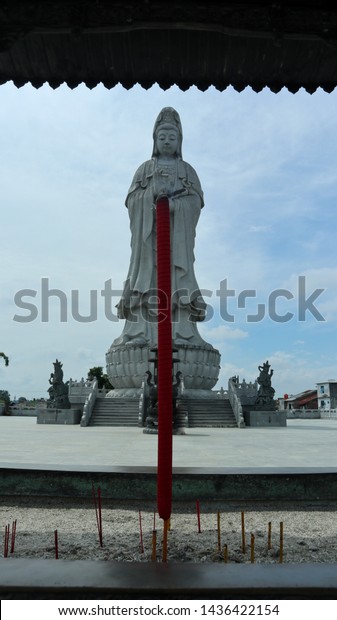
(166, 173)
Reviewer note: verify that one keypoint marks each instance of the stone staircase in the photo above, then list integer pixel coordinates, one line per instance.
(215, 412)
(200, 412)
(115, 412)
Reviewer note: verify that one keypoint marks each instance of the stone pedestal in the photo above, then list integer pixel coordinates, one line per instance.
(58, 416)
(265, 418)
(127, 365)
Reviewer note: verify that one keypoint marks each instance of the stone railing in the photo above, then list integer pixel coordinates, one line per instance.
(222, 393)
(235, 402)
(143, 401)
(304, 414)
(181, 388)
(247, 392)
(79, 390)
(328, 414)
(90, 401)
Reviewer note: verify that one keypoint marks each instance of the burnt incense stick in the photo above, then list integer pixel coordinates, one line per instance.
(13, 536)
(281, 542)
(7, 542)
(98, 512)
(225, 554)
(166, 527)
(243, 536)
(56, 545)
(154, 546)
(100, 530)
(219, 531)
(141, 532)
(6, 539)
(269, 535)
(95, 505)
(198, 516)
(252, 548)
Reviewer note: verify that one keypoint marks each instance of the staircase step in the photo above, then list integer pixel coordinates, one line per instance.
(199, 412)
(115, 412)
(210, 413)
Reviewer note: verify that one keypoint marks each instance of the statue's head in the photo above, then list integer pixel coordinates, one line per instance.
(168, 119)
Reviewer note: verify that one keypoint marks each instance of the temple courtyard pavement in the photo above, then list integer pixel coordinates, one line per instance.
(307, 444)
(293, 463)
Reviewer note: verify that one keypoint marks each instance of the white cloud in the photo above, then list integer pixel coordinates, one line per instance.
(222, 333)
(295, 372)
(258, 229)
(67, 160)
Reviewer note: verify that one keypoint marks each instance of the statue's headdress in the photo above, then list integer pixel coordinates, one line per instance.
(168, 118)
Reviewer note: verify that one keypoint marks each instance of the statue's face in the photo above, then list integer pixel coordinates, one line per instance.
(167, 142)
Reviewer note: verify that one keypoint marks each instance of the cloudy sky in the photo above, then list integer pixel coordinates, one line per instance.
(267, 165)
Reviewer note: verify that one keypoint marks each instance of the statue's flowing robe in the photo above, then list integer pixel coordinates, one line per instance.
(140, 284)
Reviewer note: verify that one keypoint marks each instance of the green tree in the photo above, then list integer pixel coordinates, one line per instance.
(5, 400)
(103, 379)
(4, 356)
(4, 395)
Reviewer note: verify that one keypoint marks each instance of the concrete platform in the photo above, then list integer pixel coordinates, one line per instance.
(294, 462)
(303, 443)
(79, 579)
(298, 462)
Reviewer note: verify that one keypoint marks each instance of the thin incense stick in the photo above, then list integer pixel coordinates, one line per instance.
(95, 504)
(243, 532)
(198, 515)
(100, 530)
(13, 536)
(269, 535)
(281, 542)
(98, 512)
(166, 527)
(141, 533)
(56, 545)
(6, 541)
(154, 546)
(252, 548)
(219, 531)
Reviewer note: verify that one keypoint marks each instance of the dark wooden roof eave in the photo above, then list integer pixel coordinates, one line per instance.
(218, 44)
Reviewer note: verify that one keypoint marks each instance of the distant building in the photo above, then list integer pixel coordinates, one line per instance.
(327, 394)
(303, 400)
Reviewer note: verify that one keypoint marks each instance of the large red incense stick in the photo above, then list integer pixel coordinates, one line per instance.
(164, 474)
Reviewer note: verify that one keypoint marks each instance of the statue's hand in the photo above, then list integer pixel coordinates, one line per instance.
(161, 194)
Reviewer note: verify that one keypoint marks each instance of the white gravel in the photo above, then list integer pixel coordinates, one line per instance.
(309, 531)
